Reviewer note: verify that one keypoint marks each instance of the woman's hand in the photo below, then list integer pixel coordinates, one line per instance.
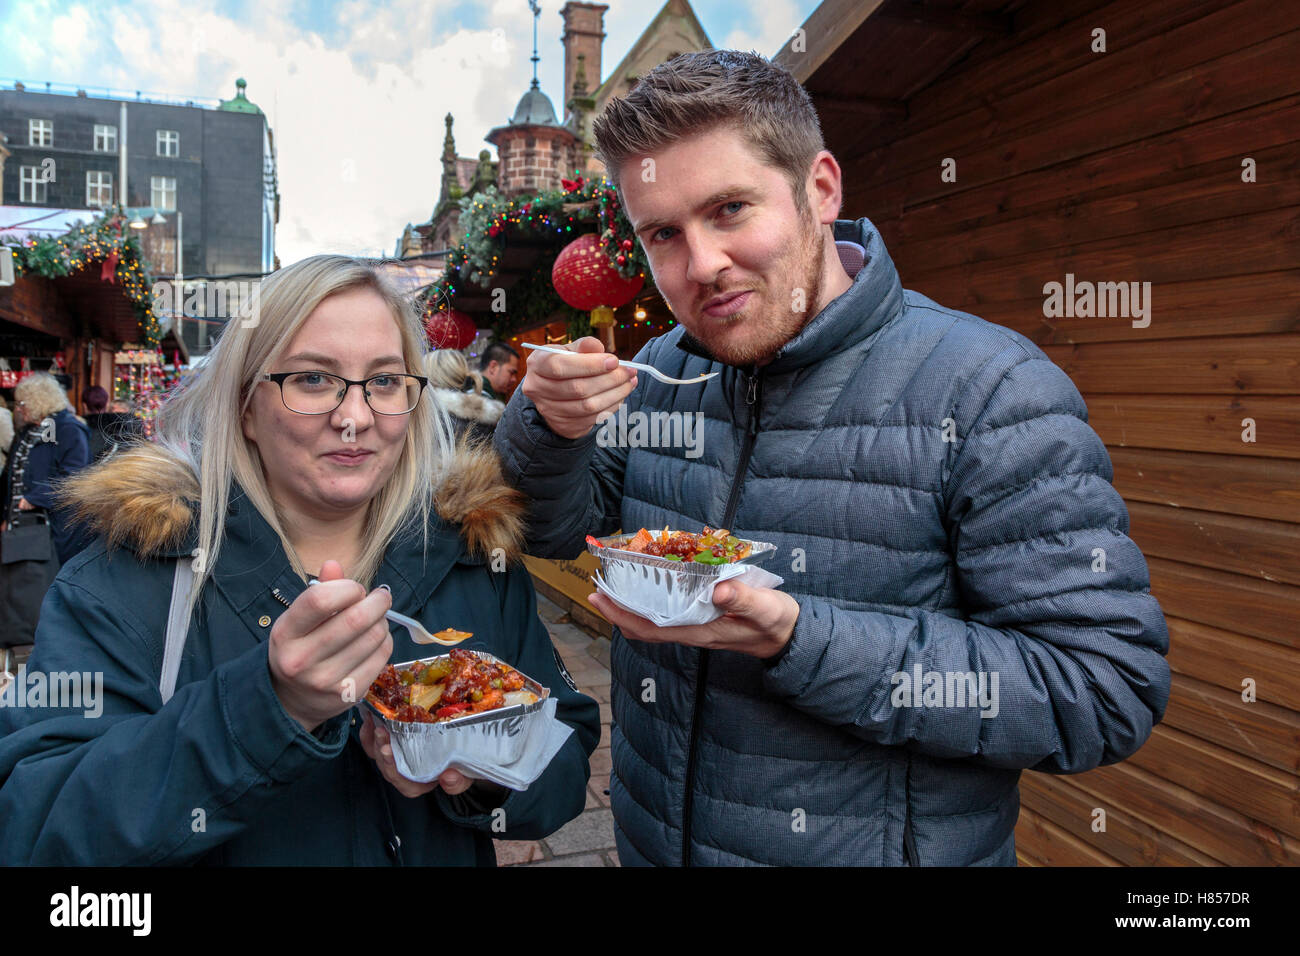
(327, 649)
(376, 742)
(25, 505)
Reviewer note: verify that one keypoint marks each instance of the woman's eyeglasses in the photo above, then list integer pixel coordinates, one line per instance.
(319, 393)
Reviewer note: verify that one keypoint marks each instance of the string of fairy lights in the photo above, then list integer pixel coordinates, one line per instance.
(105, 240)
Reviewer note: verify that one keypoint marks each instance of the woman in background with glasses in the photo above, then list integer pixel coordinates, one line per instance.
(306, 449)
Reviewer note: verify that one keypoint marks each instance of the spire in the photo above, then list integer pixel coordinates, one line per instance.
(537, 12)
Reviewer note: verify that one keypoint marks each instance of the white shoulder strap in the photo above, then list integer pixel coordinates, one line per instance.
(178, 624)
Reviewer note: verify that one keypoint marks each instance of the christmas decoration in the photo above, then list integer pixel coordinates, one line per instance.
(450, 329)
(490, 220)
(585, 279)
(105, 240)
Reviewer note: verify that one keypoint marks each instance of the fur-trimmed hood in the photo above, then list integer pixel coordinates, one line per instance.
(470, 406)
(144, 499)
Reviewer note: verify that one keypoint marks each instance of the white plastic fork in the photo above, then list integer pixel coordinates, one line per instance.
(419, 633)
(666, 379)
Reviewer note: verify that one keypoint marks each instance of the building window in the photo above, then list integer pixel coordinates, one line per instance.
(169, 142)
(99, 188)
(31, 184)
(163, 192)
(105, 138)
(40, 132)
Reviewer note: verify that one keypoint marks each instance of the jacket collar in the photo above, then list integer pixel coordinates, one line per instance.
(253, 561)
(875, 297)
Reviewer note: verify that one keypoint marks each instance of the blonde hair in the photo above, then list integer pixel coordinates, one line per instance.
(202, 424)
(447, 368)
(42, 396)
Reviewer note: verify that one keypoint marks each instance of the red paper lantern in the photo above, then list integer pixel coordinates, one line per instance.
(586, 279)
(452, 329)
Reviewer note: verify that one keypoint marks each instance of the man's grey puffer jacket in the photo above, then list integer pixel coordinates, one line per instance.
(939, 504)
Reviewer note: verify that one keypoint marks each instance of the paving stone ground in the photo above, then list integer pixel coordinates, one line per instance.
(587, 840)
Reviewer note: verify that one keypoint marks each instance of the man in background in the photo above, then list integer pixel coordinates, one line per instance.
(500, 367)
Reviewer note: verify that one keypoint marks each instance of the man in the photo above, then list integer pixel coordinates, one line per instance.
(499, 364)
(960, 599)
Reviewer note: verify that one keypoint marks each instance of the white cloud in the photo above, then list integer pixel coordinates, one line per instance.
(766, 28)
(368, 89)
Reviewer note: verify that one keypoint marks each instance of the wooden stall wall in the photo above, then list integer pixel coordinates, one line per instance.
(1127, 166)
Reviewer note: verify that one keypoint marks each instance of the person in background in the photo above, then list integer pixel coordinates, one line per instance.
(500, 366)
(461, 394)
(6, 431)
(51, 444)
(107, 429)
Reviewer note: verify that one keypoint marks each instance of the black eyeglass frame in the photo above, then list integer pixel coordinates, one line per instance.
(279, 377)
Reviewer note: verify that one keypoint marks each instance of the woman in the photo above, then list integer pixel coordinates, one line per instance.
(107, 429)
(38, 535)
(459, 392)
(269, 473)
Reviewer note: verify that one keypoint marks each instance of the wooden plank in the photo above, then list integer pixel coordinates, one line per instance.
(1225, 659)
(1024, 860)
(1241, 305)
(1180, 155)
(1242, 245)
(1220, 832)
(1204, 423)
(1257, 365)
(1230, 484)
(1214, 192)
(1255, 547)
(1119, 97)
(1261, 792)
(1230, 602)
(1257, 730)
(1063, 48)
(829, 25)
(1125, 838)
(1054, 846)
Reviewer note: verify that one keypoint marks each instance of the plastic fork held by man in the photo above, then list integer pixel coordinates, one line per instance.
(574, 392)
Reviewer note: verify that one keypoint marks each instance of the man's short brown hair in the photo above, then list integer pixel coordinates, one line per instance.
(696, 92)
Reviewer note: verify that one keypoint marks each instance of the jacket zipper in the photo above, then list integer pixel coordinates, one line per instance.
(909, 841)
(279, 597)
(753, 400)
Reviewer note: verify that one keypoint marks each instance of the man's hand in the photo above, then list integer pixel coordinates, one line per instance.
(327, 649)
(25, 505)
(574, 392)
(377, 743)
(757, 621)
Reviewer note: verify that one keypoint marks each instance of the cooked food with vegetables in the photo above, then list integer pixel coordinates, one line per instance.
(708, 547)
(454, 686)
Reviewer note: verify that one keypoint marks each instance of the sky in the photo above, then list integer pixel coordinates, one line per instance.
(355, 91)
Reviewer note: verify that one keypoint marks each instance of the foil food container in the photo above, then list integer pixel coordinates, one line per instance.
(510, 745)
(672, 593)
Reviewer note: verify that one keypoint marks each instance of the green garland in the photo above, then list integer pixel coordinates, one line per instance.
(490, 219)
(54, 257)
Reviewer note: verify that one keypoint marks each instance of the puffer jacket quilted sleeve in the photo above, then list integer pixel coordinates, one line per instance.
(1066, 627)
(574, 485)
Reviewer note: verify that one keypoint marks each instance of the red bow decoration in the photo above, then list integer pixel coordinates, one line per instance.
(573, 185)
(108, 271)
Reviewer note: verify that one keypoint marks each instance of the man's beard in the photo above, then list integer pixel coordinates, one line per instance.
(782, 322)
